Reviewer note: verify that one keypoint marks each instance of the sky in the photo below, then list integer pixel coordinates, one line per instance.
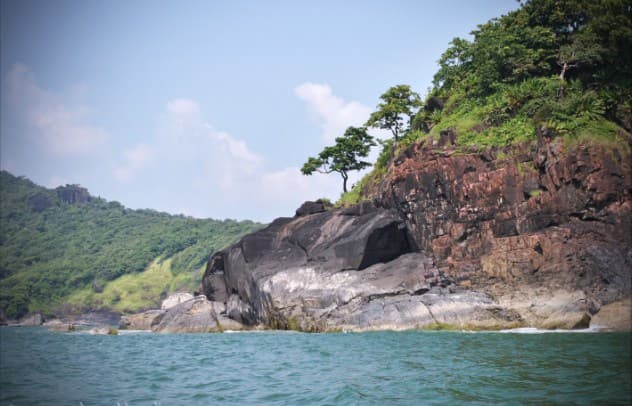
(207, 108)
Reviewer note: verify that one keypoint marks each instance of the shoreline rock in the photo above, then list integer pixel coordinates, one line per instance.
(523, 236)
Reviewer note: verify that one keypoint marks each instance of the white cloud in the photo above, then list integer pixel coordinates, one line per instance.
(182, 106)
(134, 159)
(233, 159)
(223, 171)
(62, 129)
(291, 185)
(332, 113)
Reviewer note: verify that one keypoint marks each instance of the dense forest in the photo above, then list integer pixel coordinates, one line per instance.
(64, 247)
(551, 68)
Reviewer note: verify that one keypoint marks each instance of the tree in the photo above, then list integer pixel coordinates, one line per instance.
(343, 156)
(398, 107)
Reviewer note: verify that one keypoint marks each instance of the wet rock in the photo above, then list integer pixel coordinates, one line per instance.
(616, 316)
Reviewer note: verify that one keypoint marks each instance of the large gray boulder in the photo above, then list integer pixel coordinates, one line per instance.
(254, 276)
(198, 315)
(141, 321)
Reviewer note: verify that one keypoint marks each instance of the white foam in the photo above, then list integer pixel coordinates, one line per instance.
(534, 330)
(125, 332)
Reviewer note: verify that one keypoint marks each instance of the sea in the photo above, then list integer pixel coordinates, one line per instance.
(38, 367)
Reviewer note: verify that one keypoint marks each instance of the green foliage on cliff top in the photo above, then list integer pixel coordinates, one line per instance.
(560, 68)
(51, 247)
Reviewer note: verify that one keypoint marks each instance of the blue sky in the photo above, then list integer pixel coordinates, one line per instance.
(207, 108)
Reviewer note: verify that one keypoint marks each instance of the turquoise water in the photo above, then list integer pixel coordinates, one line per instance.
(43, 368)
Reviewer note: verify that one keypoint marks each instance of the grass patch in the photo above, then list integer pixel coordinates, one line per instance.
(129, 293)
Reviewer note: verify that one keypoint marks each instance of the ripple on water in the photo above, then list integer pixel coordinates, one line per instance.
(41, 368)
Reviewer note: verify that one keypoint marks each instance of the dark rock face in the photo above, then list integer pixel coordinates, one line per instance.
(308, 208)
(553, 220)
(522, 236)
(72, 194)
(326, 242)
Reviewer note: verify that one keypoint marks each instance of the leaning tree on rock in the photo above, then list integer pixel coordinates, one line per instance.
(344, 156)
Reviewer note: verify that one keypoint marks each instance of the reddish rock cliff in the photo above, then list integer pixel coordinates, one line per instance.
(547, 220)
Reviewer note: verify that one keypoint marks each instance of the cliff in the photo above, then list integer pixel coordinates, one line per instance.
(527, 235)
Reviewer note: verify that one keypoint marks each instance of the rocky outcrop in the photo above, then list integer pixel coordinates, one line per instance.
(616, 316)
(197, 315)
(302, 266)
(59, 326)
(528, 235)
(32, 320)
(545, 229)
(175, 299)
(72, 194)
(141, 321)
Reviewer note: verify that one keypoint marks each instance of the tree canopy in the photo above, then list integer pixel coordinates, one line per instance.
(579, 39)
(395, 112)
(344, 156)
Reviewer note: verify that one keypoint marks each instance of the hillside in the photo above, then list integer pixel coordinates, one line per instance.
(553, 69)
(65, 250)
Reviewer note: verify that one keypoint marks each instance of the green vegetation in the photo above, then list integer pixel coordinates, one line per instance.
(63, 249)
(558, 67)
(343, 156)
(133, 292)
(551, 68)
(396, 110)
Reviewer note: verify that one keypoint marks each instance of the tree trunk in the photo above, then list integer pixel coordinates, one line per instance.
(563, 72)
(560, 89)
(344, 182)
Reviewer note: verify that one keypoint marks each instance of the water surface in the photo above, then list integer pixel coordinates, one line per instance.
(38, 367)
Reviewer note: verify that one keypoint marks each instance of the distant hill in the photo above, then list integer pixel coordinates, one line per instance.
(63, 250)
